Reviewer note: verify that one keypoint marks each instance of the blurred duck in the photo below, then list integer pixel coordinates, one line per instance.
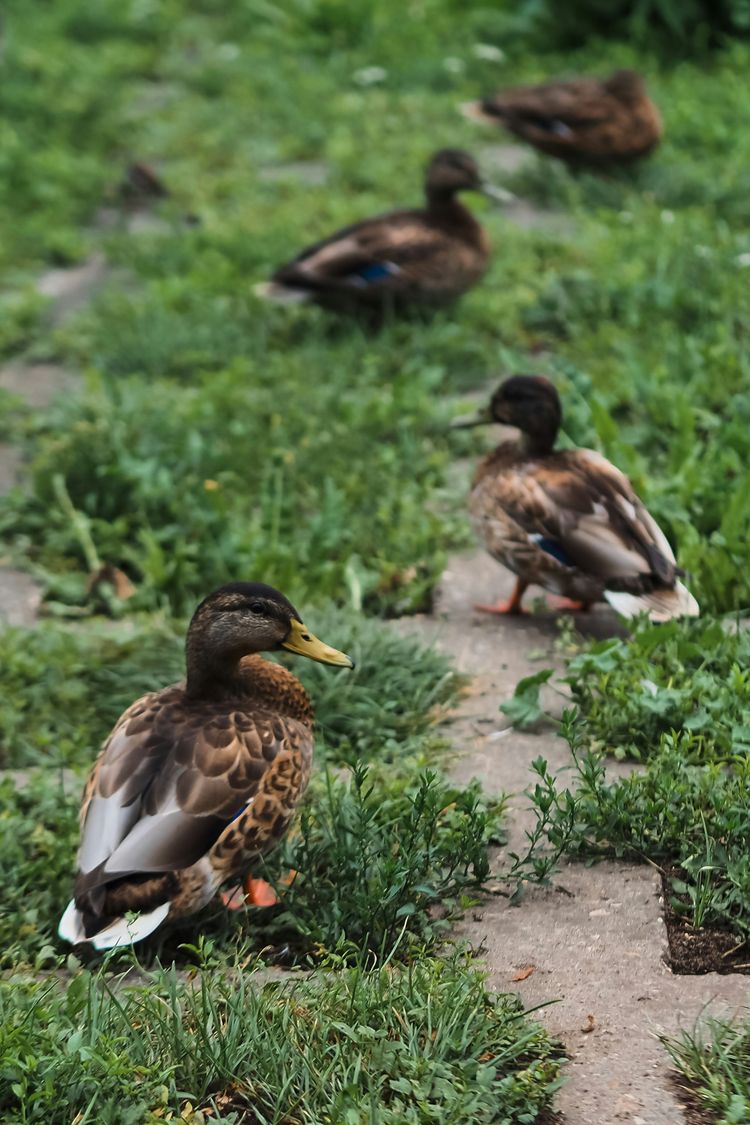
(567, 519)
(198, 780)
(422, 256)
(582, 120)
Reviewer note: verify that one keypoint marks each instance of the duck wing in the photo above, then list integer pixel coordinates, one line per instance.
(170, 778)
(393, 251)
(582, 510)
(556, 108)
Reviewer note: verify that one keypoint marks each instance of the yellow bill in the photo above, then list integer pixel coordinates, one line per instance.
(301, 641)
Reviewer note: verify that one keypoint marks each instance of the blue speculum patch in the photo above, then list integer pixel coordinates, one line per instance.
(376, 272)
(552, 547)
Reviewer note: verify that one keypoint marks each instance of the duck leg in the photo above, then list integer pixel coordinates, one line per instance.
(510, 606)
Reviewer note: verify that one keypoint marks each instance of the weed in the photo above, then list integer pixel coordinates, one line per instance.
(686, 676)
(660, 814)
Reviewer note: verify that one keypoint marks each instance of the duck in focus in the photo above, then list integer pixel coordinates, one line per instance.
(581, 120)
(567, 519)
(424, 256)
(199, 779)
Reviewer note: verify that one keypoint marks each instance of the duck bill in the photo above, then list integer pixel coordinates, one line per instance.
(482, 418)
(497, 194)
(304, 643)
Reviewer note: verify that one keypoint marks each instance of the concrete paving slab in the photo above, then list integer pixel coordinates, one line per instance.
(311, 172)
(596, 940)
(528, 216)
(20, 597)
(69, 289)
(507, 158)
(10, 462)
(36, 383)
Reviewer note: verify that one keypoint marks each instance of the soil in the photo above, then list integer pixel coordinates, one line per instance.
(705, 950)
(693, 1112)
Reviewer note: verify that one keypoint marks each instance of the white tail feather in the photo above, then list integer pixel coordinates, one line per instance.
(660, 605)
(281, 294)
(71, 924)
(122, 931)
(473, 111)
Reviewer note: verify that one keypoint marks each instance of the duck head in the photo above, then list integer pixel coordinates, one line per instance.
(627, 85)
(452, 170)
(243, 618)
(530, 403)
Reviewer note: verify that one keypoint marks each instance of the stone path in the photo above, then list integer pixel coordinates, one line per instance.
(36, 384)
(596, 939)
(500, 160)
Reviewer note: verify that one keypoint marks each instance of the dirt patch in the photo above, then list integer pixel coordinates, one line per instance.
(694, 1112)
(695, 951)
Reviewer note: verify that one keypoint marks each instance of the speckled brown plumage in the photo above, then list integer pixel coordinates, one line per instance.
(253, 748)
(582, 119)
(199, 779)
(421, 256)
(568, 519)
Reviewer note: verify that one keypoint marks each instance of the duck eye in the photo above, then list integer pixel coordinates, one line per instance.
(257, 607)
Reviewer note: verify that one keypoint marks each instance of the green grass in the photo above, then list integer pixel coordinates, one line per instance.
(391, 1045)
(715, 1061)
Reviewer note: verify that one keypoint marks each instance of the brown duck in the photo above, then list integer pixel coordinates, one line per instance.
(586, 120)
(197, 780)
(413, 257)
(567, 519)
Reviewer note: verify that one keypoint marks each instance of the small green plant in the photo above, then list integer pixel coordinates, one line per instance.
(524, 709)
(687, 676)
(384, 865)
(674, 813)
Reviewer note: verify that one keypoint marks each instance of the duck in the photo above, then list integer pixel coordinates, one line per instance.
(567, 519)
(198, 779)
(579, 120)
(425, 256)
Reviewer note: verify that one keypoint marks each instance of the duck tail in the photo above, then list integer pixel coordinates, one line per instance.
(477, 111)
(281, 294)
(660, 605)
(120, 932)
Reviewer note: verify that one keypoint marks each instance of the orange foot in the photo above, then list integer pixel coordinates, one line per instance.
(501, 608)
(567, 605)
(511, 606)
(254, 892)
